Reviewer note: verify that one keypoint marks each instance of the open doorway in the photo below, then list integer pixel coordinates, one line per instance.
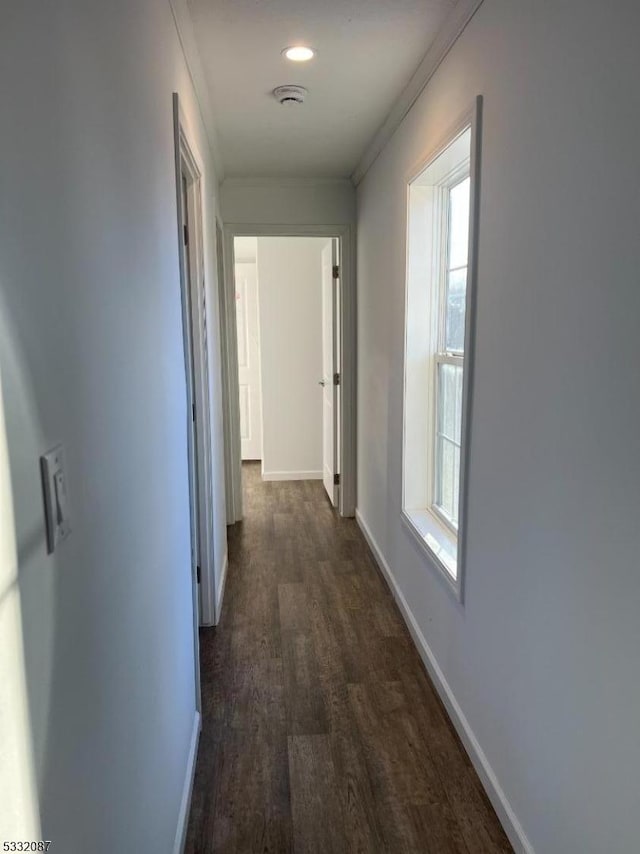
(288, 375)
(288, 372)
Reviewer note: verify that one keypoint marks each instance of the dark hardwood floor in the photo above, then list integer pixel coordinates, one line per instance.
(321, 731)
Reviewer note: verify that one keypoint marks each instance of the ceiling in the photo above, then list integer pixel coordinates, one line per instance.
(367, 52)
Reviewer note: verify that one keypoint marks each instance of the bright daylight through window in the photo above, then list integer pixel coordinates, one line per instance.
(437, 334)
(449, 361)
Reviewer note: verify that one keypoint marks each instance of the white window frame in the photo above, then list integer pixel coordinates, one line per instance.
(441, 356)
(431, 530)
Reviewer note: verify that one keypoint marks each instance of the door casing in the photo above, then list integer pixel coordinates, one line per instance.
(193, 292)
(330, 364)
(346, 347)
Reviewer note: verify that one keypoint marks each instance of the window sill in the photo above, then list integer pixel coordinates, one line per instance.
(437, 543)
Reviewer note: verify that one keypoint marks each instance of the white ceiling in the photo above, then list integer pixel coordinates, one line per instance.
(367, 52)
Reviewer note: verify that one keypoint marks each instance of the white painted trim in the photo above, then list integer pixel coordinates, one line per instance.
(182, 155)
(184, 28)
(221, 588)
(348, 349)
(284, 181)
(292, 475)
(233, 449)
(193, 166)
(492, 787)
(228, 410)
(419, 528)
(187, 789)
(470, 119)
(453, 27)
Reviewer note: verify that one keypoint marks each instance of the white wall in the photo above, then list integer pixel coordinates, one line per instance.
(290, 298)
(286, 202)
(245, 250)
(543, 657)
(19, 816)
(91, 353)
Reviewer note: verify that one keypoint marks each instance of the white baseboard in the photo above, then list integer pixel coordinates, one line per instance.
(220, 592)
(185, 803)
(292, 475)
(496, 795)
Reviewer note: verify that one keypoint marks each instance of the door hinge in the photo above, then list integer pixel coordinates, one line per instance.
(185, 234)
(336, 480)
(193, 412)
(336, 271)
(198, 574)
(336, 379)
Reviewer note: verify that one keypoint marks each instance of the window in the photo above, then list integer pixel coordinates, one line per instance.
(437, 333)
(449, 358)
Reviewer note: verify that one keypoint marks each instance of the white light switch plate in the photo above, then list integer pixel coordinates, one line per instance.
(56, 500)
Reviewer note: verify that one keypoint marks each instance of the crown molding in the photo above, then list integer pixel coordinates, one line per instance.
(184, 28)
(449, 33)
(284, 181)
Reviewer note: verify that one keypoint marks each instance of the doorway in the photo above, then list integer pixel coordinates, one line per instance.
(291, 391)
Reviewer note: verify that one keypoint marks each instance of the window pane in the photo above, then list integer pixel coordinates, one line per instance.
(456, 485)
(456, 300)
(447, 487)
(446, 466)
(459, 224)
(446, 400)
(458, 393)
(450, 401)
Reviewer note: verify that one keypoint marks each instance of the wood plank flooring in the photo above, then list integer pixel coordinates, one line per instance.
(321, 730)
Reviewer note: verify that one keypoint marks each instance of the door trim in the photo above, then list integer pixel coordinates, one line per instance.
(330, 389)
(189, 163)
(347, 332)
(225, 361)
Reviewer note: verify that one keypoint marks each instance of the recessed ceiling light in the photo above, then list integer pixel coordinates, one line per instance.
(299, 53)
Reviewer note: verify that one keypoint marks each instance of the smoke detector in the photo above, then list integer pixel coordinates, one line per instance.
(290, 94)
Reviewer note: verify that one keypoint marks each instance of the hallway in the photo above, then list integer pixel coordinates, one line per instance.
(321, 731)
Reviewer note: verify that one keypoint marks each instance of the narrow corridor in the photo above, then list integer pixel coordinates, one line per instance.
(321, 731)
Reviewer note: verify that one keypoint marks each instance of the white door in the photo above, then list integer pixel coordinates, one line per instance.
(330, 284)
(192, 443)
(249, 360)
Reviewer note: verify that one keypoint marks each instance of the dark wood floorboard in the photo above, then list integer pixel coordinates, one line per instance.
(321, 730)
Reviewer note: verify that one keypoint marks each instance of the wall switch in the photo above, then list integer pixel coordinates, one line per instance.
(56, 502)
